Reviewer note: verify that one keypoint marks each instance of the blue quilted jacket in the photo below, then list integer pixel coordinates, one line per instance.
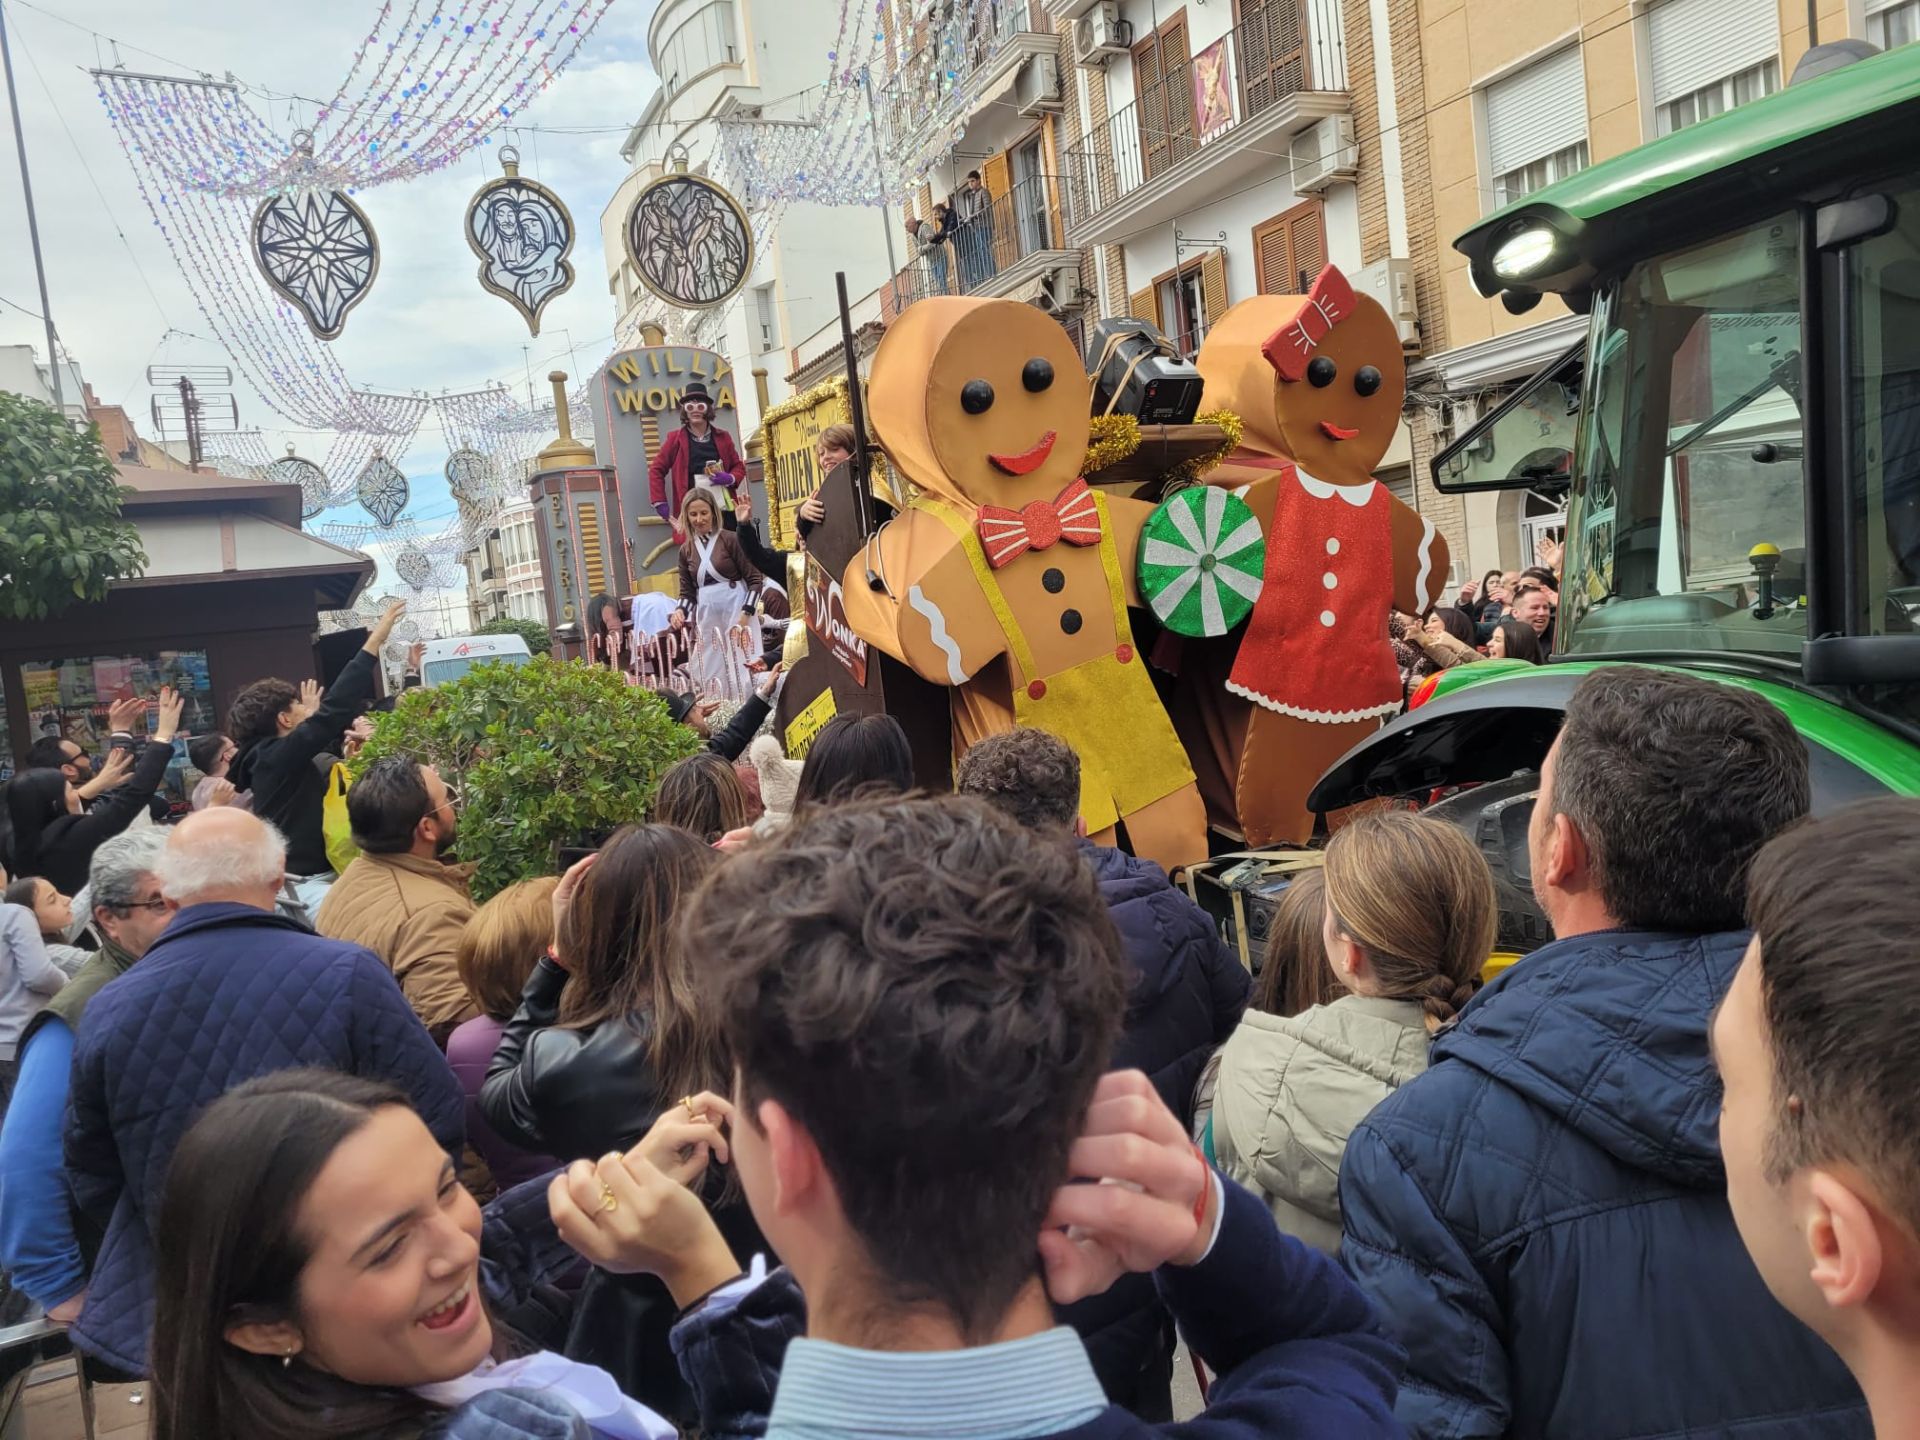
(1543, 1214)
(226, 994)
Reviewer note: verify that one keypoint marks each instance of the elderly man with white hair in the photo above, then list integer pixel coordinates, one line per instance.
(38, 1250)
(231, 990)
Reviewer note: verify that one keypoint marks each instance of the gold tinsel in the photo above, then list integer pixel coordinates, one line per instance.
(1190, 471)
(1112, 439)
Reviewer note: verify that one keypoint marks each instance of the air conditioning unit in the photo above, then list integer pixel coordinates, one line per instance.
(1391, 283)
(1036, 90)
(1101, 34)
(1324, 154)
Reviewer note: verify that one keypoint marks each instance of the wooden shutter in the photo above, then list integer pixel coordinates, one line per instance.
(1163, 85)
(996, 173)
(1150, 105)
(1176, 64)
(1290, 250)
(1213, 291)
(1145, 304)
(1273, 51)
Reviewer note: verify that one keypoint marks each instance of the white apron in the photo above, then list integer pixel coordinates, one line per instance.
(721, 609)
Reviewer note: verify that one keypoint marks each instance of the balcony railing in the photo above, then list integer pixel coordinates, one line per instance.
(942, 67)
(1288, 48)
(977, 254)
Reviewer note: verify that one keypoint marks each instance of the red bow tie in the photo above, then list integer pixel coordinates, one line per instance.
(1071, 516)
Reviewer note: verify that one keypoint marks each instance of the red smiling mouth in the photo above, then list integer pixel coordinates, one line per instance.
(1027, 461)
(1336, 432)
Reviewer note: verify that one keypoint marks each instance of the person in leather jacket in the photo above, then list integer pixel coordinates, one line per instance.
(607, 1037)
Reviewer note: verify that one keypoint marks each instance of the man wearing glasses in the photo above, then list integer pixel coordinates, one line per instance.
(38, 1250)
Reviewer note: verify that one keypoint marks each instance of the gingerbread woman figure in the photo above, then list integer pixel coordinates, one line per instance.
(1318, 382)
(1008, 578)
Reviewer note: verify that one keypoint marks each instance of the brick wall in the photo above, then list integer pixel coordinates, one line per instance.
(1424, 240)
(1375, 243)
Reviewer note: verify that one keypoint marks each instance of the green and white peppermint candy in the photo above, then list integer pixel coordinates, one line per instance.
(1201, 560)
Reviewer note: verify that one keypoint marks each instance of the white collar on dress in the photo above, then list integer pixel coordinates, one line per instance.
(1355, 495)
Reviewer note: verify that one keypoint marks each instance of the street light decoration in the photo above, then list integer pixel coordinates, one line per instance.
(689, 240)
(316, 248)
(382, 489)
(522, 233)
(413, 566)
(316, 491)
(471, 475)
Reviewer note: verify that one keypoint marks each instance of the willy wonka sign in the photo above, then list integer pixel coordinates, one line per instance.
(636, 405)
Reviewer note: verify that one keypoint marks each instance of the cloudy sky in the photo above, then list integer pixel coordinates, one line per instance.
(426, 325)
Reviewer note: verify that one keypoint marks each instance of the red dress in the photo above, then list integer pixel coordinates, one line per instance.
(1316, 645)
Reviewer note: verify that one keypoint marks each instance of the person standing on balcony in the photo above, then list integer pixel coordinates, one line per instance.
(932, 236)
(973, 238)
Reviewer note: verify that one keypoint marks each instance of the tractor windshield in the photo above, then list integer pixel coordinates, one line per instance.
(1688, 532)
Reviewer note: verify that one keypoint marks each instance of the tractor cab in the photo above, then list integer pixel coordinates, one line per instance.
(1737, 437)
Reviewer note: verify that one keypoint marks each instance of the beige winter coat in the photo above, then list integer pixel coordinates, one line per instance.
(1291, 1090)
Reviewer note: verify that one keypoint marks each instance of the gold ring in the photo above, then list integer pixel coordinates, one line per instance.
(692, 1114)
(608, 1200)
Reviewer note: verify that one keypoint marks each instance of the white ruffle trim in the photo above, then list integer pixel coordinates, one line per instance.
(1319, 717)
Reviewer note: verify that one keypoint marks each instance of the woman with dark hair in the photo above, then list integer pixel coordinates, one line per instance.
(321, 1274)
(53, 913)
(703, 796)
(698, 453)
(606, 632)
(1515, 640)
(717, 582)
(855, 756)
(53, 837)
(212, 755)
(610, 1035)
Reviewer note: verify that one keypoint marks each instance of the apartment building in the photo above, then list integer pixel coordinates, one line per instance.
(720, 59)
(1496, 98)
(520, 554)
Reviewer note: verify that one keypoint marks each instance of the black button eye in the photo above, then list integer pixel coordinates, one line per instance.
(1321, 372)
(976, 397)
(1037, 375)
(1366, 380)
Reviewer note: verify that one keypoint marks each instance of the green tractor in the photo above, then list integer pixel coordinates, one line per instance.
(1737, 439)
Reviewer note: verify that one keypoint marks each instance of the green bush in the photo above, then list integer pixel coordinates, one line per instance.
(539, 639)
(542, 754)
(62, 536)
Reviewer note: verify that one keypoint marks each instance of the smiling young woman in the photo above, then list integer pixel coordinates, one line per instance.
(321, 1273)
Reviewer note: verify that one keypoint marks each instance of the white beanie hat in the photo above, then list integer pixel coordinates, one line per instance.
(779, 776)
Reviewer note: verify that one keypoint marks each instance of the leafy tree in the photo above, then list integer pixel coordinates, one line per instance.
(62, 536)
(543, 754)
(539, 639)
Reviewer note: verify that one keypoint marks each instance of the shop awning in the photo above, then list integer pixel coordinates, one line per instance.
(239, 545)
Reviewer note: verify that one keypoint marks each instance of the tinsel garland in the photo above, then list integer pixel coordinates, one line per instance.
(1188, 472)
(1111, 439)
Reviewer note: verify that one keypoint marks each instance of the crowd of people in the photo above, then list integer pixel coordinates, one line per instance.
(1505, 615)
(775, 1115)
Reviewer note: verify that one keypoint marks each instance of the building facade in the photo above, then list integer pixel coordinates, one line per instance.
(738, 58)
(520, 553)
(1496, 98)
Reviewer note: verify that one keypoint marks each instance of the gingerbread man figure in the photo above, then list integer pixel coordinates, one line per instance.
(1008, 578)
(1318, 382)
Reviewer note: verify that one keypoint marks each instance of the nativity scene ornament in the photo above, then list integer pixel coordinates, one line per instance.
(522, 233)
(689, 240)
(316, 248)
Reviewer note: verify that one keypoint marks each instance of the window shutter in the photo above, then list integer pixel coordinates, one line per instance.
(1144, 305)
(1537, 112)
(1696, 42)
(1290, 250)
(1272, 260)
(1213, 284)
(997, 176)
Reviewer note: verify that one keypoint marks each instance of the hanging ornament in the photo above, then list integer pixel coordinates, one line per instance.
(522, 233)
(470, 475)
(316, 247)
(316, 493)
(413, 566)
(1201, 561)
(382, 489)
(688, 239)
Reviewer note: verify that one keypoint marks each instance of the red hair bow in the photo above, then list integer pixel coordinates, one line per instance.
(1290, 347)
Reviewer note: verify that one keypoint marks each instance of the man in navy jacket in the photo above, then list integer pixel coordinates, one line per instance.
(921, 999)
(1544, 1212)
(230, 990)
(1186, 992)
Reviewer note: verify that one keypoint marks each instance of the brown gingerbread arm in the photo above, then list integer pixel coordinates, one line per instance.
(1419, 561)
(930, 614)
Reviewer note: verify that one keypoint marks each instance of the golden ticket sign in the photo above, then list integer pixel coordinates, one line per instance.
(802, 729)
(793, 463)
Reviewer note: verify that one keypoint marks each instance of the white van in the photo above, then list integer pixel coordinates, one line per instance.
(449, 658)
